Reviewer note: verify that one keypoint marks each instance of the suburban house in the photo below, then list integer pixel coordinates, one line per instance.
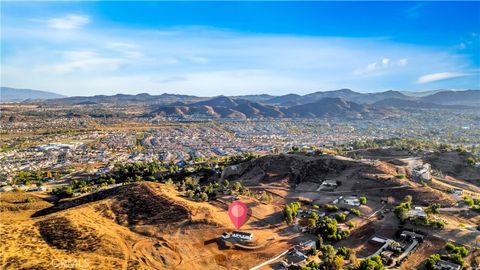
(246, 236)
(294, 258)
(417, 212)
(444, 265)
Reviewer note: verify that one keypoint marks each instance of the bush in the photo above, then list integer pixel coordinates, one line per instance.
(340, 217)
(373, 263)
(331, 208)
(355, 211)
(363, 200)
(344, 252)
(432, 261)
(468, 201)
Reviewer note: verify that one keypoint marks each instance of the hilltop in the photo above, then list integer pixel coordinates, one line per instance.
(137, 226)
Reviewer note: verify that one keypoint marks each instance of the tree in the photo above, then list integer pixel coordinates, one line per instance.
(408, 200)
(468, 201)
(328, 252)
(471, 161)
(343, 251)
(337, 263)
(401, 212)
(352, 257)
(237, 186)
(331, 208)
(340, 217)
(372, 263)
(363, 200)
(203, 197)
(288, 213)
(432, 261)
(225, 183)
(190, 194)
(311, 223)
(355, 211)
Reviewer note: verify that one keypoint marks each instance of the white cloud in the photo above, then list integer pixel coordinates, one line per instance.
(381, 65)
(70, 21)
(370, 68)
(403, 62)
(209, 60)
(385, 62)
(82, 60)
(439, 76)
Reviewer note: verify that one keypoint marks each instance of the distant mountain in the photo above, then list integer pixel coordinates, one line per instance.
(419, 94)
(346, 94)
(220, 107)
(255, 98)
(261, 105)
(449, 97)
(128, 99)
(286, 100)
(414, 104)
(224, 107)
(333, 107)
(8, 94)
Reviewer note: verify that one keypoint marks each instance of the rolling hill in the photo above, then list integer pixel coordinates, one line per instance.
(8, 94)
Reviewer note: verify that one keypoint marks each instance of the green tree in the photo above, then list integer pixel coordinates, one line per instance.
(225, 183)
(363, 200)
(432, 261)
(237, 186)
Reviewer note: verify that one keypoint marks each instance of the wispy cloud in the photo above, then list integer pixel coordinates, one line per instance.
(381, 65)
(83, 60)
(67, 22)
(210, 61)
(428, 78)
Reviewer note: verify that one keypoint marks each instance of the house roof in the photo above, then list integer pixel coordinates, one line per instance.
(444, 265)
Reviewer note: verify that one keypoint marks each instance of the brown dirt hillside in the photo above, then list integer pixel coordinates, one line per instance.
(375, 178)
(138, 226)
(454, 164)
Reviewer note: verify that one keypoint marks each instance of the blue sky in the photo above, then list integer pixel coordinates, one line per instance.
(233, 48)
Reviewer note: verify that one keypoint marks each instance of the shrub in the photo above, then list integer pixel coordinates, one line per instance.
(340, 217)
(331, 208)
(432, 261)
(355, 211)
(363, 200)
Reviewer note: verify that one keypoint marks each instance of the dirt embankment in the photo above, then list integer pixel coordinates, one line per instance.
(454, 164)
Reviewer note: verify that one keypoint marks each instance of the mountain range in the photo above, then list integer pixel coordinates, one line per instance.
(342, 103)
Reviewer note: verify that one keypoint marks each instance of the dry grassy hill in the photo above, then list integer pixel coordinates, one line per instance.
(138, 226)
(375, 178)
(454, 164)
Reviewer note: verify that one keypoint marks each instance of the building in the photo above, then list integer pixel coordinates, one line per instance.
(417, 212)
(444, 265)
(411, 235)
(293, 258)
(308, 244)
(245, 236)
